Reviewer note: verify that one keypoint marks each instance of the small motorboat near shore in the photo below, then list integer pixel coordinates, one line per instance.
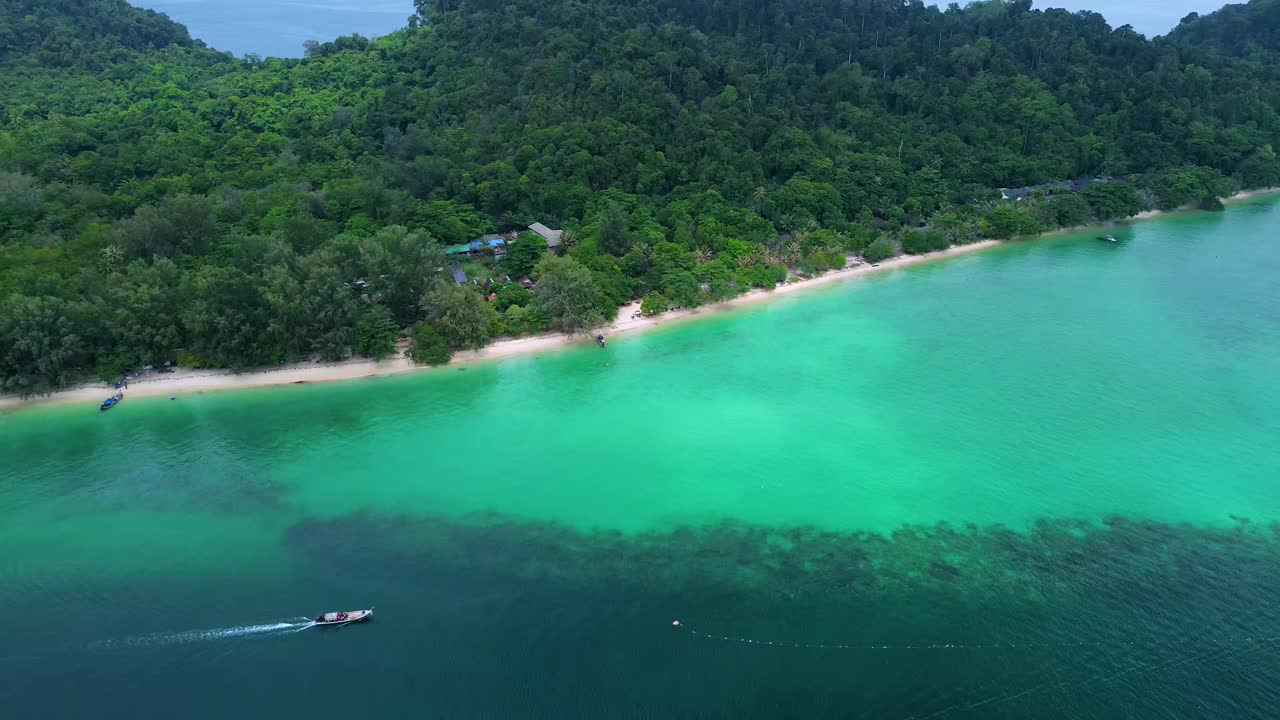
(343, 618)
(111, 402)
(1107, 238)
(600, 340)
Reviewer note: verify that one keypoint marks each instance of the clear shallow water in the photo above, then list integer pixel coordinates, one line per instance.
(1058, 442)
(277, 28)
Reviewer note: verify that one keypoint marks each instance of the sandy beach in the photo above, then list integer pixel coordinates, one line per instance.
(189, 381)
(627, 322)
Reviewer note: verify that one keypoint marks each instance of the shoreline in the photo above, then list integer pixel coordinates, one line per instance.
(195, 381)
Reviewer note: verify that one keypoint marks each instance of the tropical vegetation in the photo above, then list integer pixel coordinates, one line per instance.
(160, 200)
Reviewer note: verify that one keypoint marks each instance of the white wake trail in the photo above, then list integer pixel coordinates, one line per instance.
(195, 636)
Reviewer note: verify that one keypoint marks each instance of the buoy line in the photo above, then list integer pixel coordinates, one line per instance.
(1216, 649)
(958, 646)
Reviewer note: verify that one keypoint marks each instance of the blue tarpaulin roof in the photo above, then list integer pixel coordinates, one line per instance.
(493, 241)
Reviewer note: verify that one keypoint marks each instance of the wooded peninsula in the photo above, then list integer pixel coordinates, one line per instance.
(507, 168)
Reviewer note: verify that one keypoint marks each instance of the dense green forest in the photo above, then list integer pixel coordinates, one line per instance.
(160, 200)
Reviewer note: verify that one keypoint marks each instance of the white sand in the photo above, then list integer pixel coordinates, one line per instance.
(189, 381)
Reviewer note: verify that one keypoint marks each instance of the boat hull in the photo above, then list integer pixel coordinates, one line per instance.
(337, 619)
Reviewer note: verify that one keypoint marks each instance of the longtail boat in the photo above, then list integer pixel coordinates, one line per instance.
(343, 618)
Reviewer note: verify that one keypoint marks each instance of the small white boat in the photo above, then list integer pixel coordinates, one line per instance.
(1108, 238)
(343, 618)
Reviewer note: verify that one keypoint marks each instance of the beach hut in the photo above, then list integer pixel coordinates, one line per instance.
(497, 243)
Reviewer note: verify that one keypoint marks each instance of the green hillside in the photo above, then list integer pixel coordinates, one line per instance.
(160, 200)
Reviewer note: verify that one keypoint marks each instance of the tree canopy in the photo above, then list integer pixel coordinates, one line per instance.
(567, 294)
(162, 200)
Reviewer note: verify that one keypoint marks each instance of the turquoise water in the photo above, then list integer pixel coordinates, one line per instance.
(1042, 445)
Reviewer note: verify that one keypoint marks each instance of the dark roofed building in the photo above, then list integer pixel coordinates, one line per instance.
(1032, 190)
(1081, 183)
(1047, 189)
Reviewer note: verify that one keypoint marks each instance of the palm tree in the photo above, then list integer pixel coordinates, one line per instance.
(792, 252)
(568, 239)
(111, 257)
(644, 249)
(129, 187)
(703, 255)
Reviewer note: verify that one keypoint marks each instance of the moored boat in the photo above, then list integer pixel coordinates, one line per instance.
(110, 402)
(1108, 238)
(343, 618)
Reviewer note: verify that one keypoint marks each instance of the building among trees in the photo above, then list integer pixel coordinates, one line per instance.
(552, 236)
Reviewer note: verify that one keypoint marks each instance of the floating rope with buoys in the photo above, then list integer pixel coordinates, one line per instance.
(1215, 650)
(1244, 640)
